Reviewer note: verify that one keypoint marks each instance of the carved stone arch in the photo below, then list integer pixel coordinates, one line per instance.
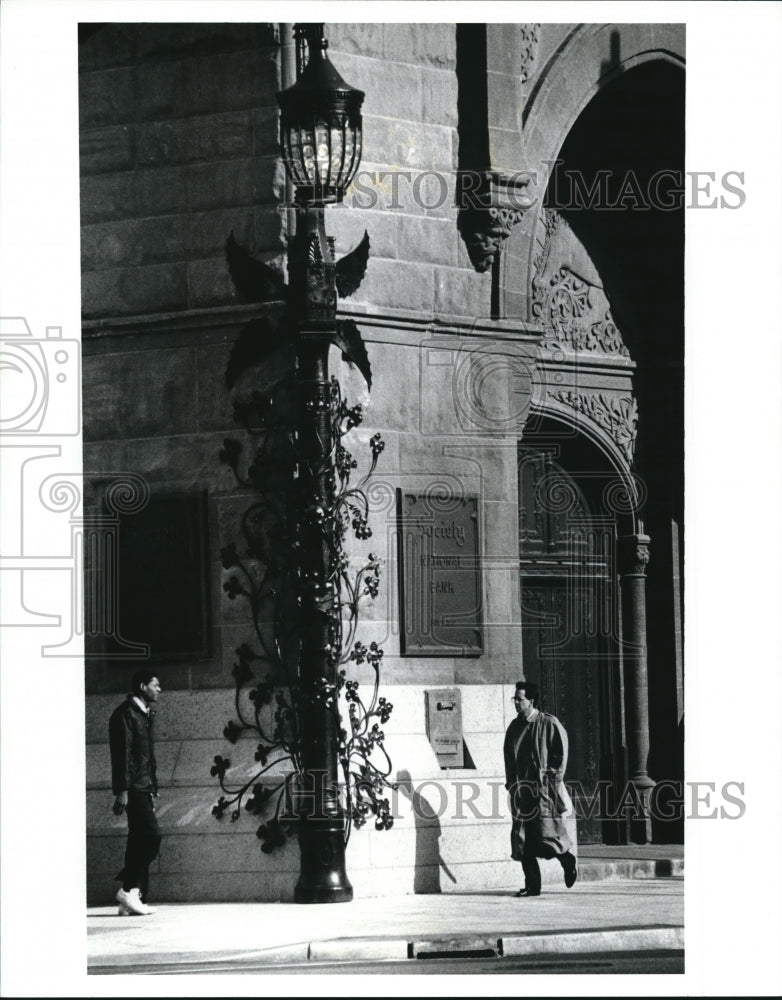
(591, 57)
(623, 492)
(575, 507)
(610, 101)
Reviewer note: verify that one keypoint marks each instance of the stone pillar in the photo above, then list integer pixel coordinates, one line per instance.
(634, 557)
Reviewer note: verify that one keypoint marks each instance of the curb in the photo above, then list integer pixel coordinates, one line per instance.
(617, 939)
(167, 961)
(584, 942)
(358, 949)
(570, 943)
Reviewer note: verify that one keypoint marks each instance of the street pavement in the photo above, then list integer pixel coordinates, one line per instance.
(610, 915)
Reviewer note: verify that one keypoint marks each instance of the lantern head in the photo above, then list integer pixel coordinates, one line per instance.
(320, 130)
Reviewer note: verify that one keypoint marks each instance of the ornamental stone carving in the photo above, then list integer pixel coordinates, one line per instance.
(568, 299)
(634, 554)
(530, 36)
(617, 416)
(605, 336)
(484, 231)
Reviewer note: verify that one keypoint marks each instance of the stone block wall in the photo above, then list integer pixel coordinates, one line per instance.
(179, 137)
(175, 445)
(179, 148)
(405, 191)
(451, 830)
(155, 404)
(196, 107)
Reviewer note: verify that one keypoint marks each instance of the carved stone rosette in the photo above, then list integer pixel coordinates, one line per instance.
(618, 416)
(484, 231)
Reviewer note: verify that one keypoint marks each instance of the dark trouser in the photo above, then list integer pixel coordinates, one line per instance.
(529, 864)
(143, 842)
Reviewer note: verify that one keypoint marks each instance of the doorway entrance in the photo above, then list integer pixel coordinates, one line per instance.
(570, 644)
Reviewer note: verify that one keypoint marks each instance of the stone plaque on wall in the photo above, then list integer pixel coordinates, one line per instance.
(439, 574)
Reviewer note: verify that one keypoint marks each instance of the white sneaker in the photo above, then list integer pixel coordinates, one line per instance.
(130, 904)
(125, 911)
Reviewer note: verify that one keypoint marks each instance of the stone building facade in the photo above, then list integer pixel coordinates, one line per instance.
(523, 315)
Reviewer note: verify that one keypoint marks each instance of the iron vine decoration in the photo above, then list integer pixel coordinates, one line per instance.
(263, 572)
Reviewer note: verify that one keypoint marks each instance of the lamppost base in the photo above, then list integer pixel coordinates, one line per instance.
(322, 883)
(322, 877)
(323, 894)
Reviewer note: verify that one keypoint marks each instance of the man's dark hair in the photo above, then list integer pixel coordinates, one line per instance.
(530, 689)
(143, 676)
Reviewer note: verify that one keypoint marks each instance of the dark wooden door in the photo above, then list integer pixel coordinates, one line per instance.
(567, 666)
(569, 620)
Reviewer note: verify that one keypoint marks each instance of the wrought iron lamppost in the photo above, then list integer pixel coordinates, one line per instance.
(320, 139)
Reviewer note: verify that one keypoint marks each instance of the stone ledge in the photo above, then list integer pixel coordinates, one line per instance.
(229, 317)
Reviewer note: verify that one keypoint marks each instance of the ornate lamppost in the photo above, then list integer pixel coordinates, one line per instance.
(320, 138)
(302, 509)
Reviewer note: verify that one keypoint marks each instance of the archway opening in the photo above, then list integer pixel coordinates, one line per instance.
(619, 183)
(572, 502)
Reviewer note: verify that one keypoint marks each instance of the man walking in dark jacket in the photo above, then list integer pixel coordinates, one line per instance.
(134, 783)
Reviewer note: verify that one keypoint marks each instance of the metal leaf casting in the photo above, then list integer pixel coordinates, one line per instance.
(262, 572)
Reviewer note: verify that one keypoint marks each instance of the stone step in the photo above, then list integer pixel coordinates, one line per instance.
(591, 870)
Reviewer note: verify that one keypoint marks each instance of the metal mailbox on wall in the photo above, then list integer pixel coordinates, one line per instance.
(444, 725)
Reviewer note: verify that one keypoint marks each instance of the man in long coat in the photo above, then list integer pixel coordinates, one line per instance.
(536, 748)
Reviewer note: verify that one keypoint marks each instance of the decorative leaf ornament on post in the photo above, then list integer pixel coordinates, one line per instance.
(292, 567)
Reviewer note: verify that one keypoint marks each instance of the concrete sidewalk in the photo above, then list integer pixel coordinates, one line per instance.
(609, 915)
